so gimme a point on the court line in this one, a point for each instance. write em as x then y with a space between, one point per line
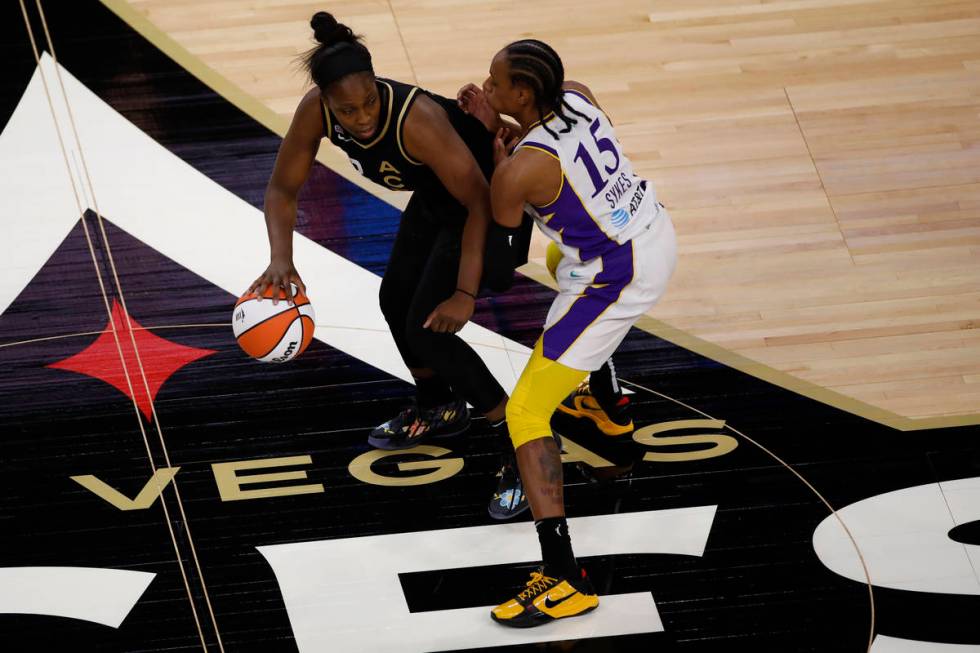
227 325
857 549
105 299
401 37
816 171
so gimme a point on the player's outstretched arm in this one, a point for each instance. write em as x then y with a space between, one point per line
292 167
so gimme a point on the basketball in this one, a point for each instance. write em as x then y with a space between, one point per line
273 333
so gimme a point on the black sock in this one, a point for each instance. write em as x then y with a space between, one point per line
433 391
556 548
608 394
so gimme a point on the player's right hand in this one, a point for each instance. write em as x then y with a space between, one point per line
503 145
279 275
472 100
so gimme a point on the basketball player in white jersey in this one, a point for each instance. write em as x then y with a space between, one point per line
619 251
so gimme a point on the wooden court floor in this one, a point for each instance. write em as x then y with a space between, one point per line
820 157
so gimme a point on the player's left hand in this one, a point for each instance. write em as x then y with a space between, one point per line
451 315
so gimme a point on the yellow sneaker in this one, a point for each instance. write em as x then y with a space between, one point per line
545 599
581 403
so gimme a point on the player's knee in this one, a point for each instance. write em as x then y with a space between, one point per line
423 342
394 300
526 424
388 300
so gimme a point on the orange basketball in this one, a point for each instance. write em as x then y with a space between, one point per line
273 333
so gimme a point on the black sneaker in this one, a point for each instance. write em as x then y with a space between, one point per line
412 427
509 500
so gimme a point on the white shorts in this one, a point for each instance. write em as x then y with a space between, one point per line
600 300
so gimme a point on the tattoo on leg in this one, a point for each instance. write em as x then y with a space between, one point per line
549 460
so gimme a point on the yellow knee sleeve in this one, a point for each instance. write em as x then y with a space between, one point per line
552 258
542 386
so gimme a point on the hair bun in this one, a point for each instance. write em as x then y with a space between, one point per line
328 31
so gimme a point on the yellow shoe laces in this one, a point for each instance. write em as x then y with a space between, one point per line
538 583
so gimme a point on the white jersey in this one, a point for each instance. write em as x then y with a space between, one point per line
602 203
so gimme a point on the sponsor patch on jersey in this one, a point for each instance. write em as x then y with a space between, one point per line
619 218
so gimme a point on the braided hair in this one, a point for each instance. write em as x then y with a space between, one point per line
536 64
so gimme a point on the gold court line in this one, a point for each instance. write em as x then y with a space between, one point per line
66 335
79 334
816 171
401 37
857 549
132 336
105 298
227 325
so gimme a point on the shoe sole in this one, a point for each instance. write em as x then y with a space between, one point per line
385 443
510 515
531 623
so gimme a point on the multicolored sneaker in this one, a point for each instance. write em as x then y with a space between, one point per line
509 500
412 427
545 599
581 403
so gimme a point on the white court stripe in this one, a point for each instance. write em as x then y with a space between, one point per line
345 594
170 206
103 596
883 644
30 162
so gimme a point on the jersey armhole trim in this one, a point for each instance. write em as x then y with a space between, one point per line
553 154
409 101
583 96
325 115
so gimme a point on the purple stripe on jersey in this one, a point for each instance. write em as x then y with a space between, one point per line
617 273
542 146
568 215
581 95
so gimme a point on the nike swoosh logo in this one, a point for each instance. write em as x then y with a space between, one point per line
548 603
575 274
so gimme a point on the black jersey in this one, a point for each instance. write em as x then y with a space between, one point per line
384 159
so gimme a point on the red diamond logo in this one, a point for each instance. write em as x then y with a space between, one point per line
160 358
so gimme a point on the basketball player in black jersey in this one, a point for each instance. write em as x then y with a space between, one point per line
403 138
